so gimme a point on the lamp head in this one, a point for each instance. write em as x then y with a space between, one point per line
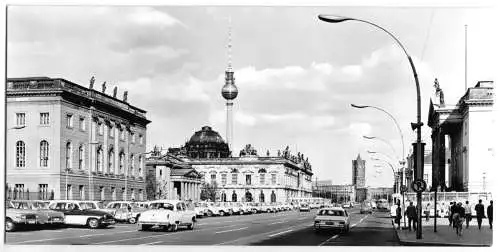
358 106
369 137
333 18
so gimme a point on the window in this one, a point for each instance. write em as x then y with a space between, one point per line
111 158
273 179
80 157
223 178
262 178
44 118
213 178
68 155
81 192
161 172
141 139
261 196
20 119
99 158
122 162
81 124
234 197
113 193
132 136
44 153
132 194
122 134
132 165
111 131
69 120
69 192
124 194
234 178
223 197
101 192
141 163
273 197
249 179
141 197
20 154
101 128
43 190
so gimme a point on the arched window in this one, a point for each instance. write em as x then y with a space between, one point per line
99 159
273 197
141 163
248 196
122 162
223 197
44 153
234 196
111 160
262 197
132 166
69 151
20 154
81 156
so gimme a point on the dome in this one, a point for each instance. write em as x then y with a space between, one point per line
206 135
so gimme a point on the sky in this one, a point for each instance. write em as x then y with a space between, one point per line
296 75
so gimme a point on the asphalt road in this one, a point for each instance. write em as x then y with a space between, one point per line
284 228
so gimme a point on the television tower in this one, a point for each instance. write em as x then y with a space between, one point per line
229 92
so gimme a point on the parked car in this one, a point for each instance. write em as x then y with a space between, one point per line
96 205
254 207
215 209
201 209
46 216
126 210
16 218
335 218
366 208
81 214
304 207
167 214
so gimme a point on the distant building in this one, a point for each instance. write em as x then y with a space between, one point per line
323 182
358 172
73 142
374 193
466 128
337 193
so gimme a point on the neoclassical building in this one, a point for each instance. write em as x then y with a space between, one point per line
248 177
66 141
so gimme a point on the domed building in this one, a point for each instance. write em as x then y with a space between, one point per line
207 143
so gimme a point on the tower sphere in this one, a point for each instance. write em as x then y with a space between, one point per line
229 90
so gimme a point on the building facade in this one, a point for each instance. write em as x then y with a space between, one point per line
358 172
72 142
466 128
337 193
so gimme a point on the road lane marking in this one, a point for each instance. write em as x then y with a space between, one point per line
151 243
230 230
276 222
286 231
61 238
329 239
263 234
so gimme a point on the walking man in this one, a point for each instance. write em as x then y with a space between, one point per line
479 213
411 212
427 211
398 216
451 211
468 214
489 211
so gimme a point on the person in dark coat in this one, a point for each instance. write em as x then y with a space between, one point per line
398 216
411 212
451 211
489 211
479 213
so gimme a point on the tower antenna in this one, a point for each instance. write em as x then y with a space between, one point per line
229 44
465 58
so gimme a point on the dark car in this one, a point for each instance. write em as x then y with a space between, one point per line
79 214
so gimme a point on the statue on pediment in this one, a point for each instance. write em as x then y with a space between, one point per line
104 87
438 95
91 84
115 90
125 96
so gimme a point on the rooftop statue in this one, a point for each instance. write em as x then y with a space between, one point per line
92 80
439 95
125 95
115 90
104 87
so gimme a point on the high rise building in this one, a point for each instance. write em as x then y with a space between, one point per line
358 172
229 92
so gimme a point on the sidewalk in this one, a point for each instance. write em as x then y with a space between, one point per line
446 236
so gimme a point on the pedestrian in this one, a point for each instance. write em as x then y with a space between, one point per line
468 214
441 210
427 211
398 215
489 211
479 213
451 211
458 218
411 212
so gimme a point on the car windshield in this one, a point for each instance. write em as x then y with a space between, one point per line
87 205
40 205
161 205
329 212
22 205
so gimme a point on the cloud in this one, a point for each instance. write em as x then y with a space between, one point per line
150 16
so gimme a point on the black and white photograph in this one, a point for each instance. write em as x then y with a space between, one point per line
250 124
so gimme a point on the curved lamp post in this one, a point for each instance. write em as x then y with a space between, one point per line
418 146
384 141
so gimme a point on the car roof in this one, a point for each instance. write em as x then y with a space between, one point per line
166 201
333 208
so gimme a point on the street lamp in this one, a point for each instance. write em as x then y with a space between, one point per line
418 146
384 141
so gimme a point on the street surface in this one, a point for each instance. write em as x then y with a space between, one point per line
283 228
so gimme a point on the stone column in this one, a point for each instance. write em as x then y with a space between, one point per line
105 149
438 157
183 190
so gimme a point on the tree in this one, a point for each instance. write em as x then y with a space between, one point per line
209 191
150 186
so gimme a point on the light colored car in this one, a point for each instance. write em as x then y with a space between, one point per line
96 205
367 208
125 210
304 207
46 216
335 218
214 209
245 208
16 218
167 214
201 209
81 214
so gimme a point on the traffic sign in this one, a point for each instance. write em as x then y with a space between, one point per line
404 188
419 185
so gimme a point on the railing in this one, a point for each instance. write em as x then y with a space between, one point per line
15 194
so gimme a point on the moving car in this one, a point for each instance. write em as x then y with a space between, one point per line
366 208
334 218
19 217
167 214
46 216
383 204
81 214
304 207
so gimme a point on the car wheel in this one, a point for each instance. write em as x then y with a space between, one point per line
191 226
9 225
132 220
221 213
268 210
209 213
172 228
230 212
241 212
93 223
